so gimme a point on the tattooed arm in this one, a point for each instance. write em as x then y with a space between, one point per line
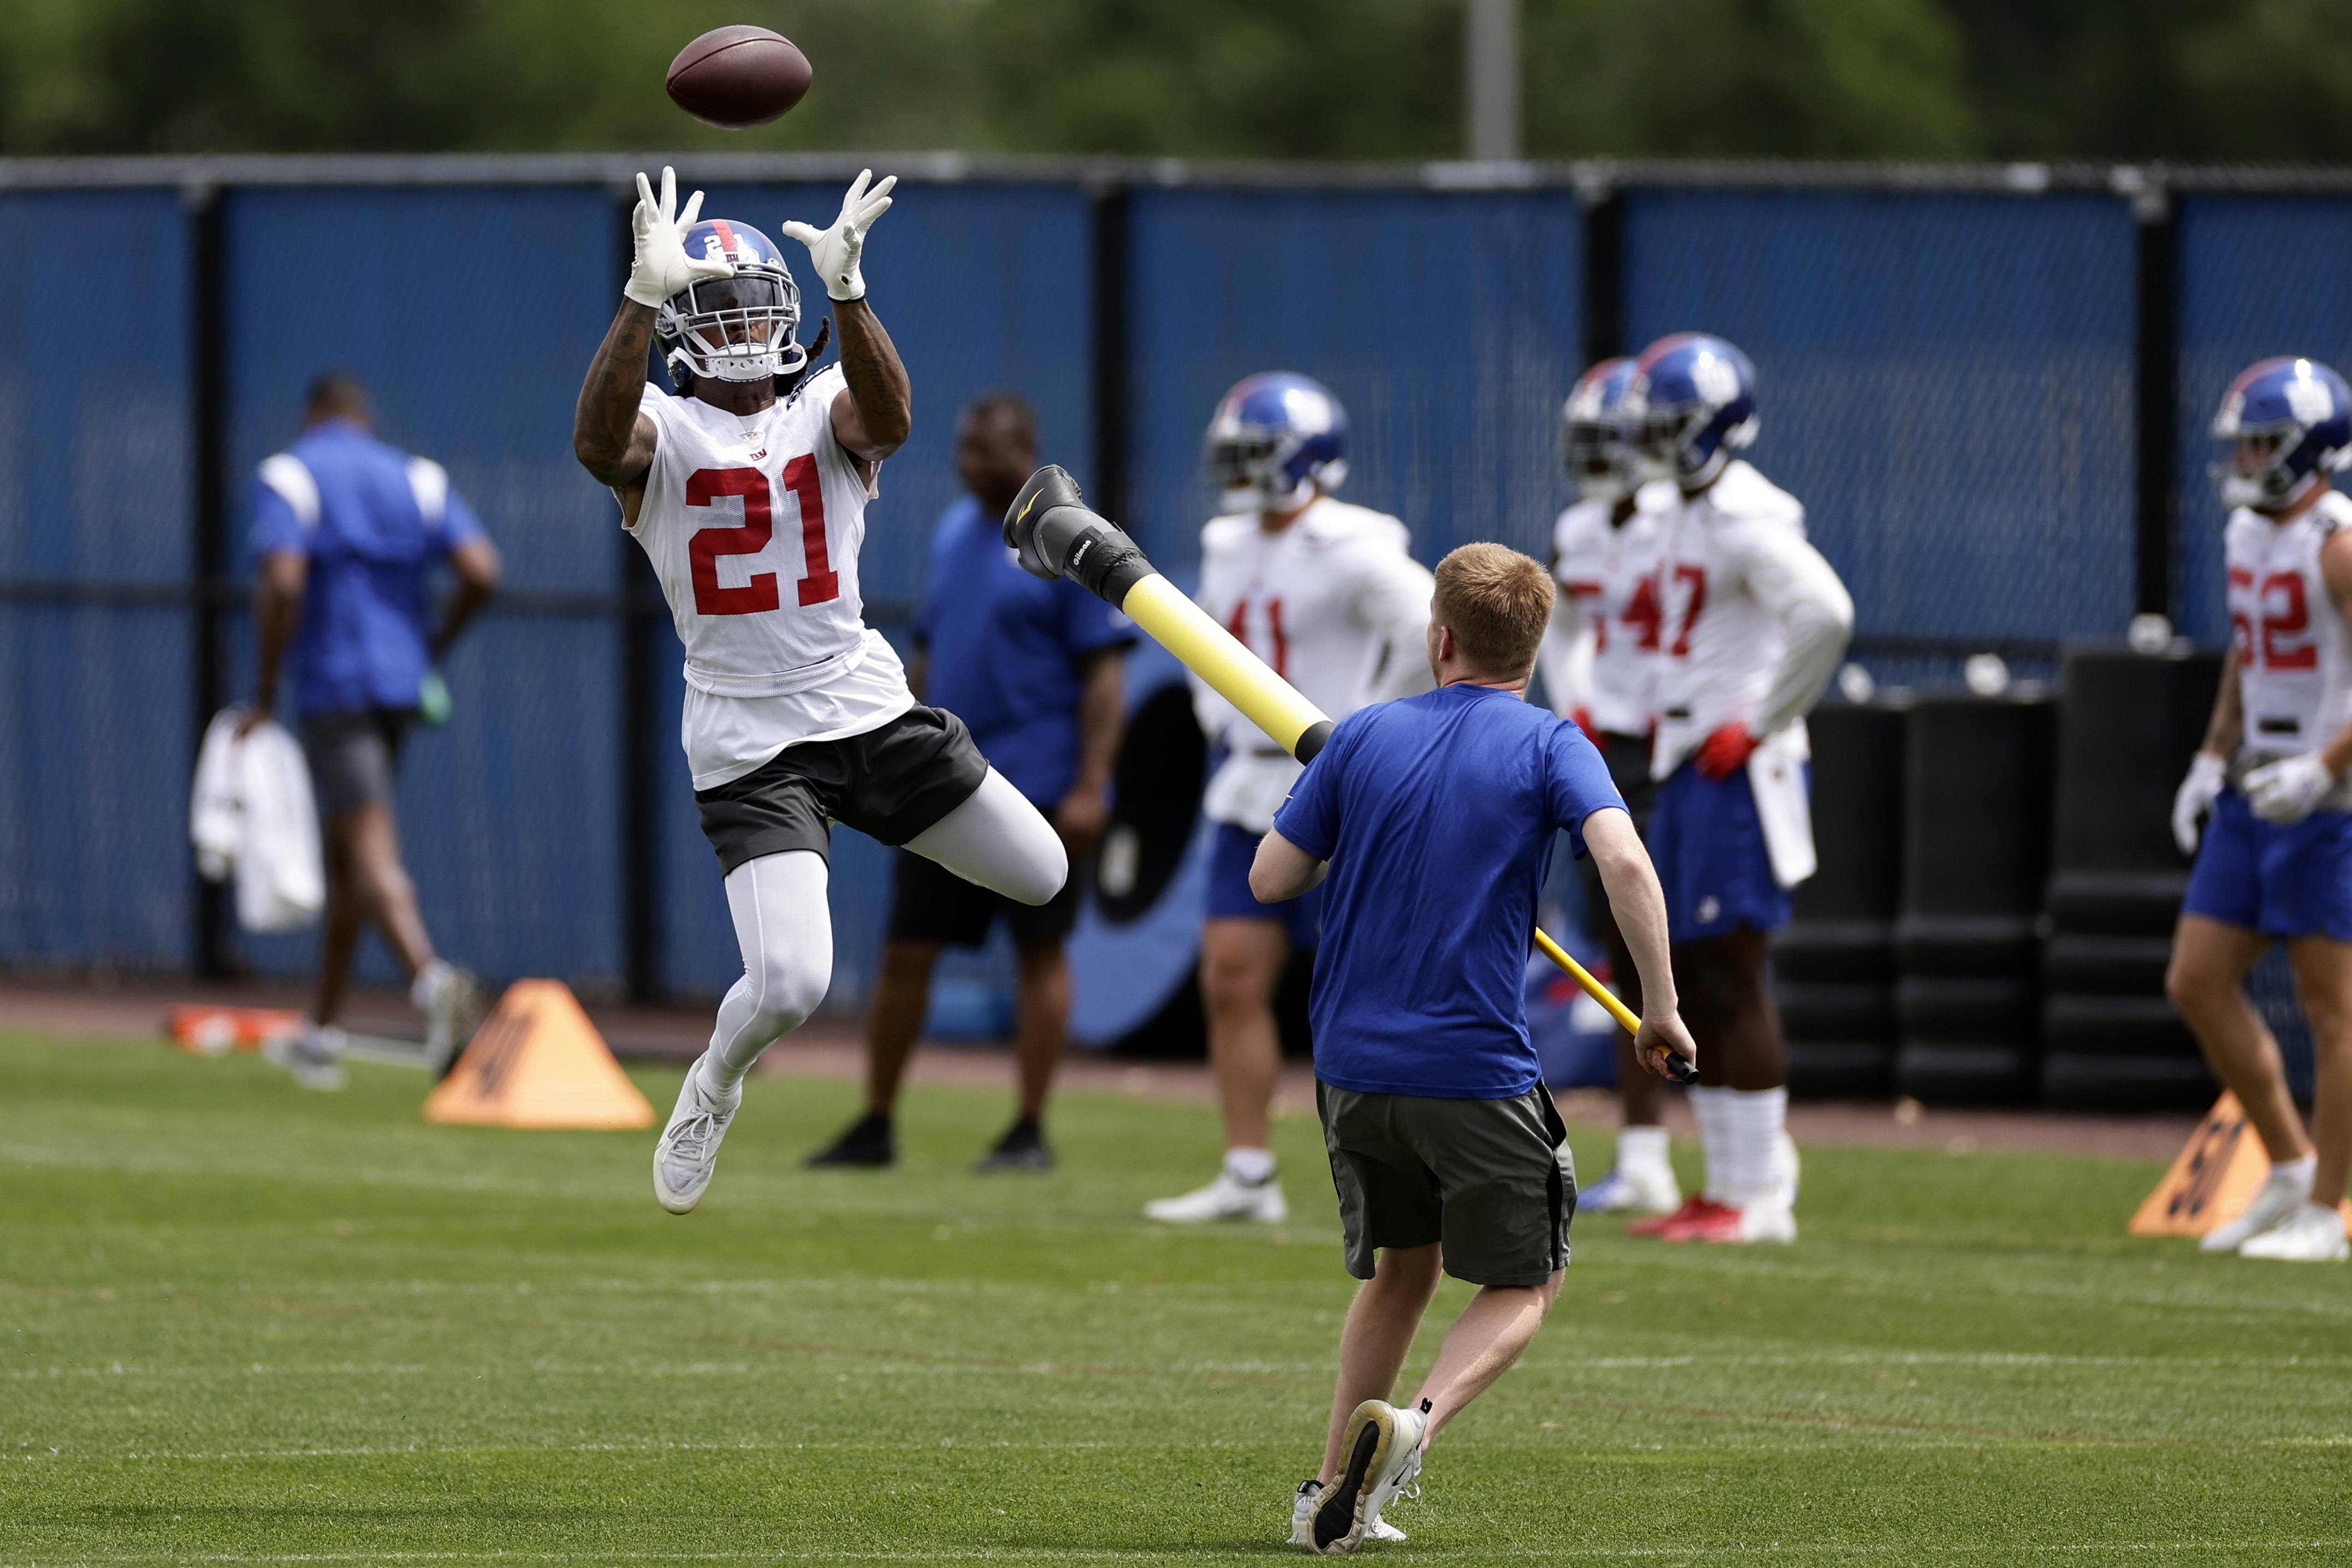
872 418
611 434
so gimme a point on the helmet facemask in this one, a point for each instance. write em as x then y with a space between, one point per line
1596 459
2257 469
738 328
1253 471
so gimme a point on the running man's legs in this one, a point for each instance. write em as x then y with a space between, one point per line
367 885
1382 1322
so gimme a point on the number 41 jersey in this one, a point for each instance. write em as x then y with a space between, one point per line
752 523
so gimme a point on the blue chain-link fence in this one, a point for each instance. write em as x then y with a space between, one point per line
1949 382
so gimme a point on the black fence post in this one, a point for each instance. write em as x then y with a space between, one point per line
1111 347
1604 268
213 953
642 614
2159 405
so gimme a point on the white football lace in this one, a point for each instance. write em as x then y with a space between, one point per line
691 1137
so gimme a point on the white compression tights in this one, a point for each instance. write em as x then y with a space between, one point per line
996 838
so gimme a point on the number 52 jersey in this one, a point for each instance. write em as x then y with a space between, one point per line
752 523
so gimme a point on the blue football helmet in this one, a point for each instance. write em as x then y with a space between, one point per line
1589 441
1275 440
738 328
2288 422
1691 405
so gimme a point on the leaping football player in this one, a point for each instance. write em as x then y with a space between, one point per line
748 489
1326 593
2276 863
1752 622
1601 669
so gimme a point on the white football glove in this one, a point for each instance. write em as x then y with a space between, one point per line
2286 790
662 268
2207 774
835 251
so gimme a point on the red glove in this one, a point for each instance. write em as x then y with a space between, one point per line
1582 719
1727 751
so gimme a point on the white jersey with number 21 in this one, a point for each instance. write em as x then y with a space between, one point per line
752 523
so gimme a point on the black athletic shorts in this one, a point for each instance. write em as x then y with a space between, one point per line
1628 757
891 783
1492 1179
930 903
352 756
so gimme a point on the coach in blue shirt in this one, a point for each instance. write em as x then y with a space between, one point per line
1034 670
347 532
1434 816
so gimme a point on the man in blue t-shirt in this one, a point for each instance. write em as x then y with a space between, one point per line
1035 669
1434 818
347 532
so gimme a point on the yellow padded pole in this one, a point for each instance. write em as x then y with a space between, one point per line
1214 654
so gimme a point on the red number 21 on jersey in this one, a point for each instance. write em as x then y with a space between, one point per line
705 485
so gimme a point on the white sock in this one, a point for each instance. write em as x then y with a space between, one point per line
709 1070
1642 1148
1709 1106
1251 1167
2296 1174
1754 1120
429 983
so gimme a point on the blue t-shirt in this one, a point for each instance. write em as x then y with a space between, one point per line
1437 814
374 522
1005 649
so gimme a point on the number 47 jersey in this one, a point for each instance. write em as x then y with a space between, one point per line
752 523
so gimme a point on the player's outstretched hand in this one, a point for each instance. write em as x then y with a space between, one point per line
1661 1033
662 268
835 251
2287 790
2207 774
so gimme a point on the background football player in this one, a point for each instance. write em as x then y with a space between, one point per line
1601 670
1752 622
748 493
1326 593
2276 863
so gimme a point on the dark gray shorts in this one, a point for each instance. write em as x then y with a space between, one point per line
892 782
1492 1179
354 756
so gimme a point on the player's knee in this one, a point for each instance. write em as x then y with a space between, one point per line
1041 876
2188 985
791 986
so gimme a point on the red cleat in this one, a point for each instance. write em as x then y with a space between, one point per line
1694 1207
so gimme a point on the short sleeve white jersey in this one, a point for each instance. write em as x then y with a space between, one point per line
1608 580
2295 654
752 523
1732 562
1336 605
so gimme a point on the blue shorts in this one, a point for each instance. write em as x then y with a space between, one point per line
2282 879
1708 847
1230 897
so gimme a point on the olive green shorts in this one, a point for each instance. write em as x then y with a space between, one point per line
1492 1179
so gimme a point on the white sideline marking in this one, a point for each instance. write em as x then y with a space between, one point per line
1082 1553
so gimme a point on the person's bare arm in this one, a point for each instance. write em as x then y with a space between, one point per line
2228 725
872 417
478 570
1283 871
1085 812
1640 908
277 611
2336 570
611 435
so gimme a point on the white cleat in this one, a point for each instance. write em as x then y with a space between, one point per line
1302 1519
451 1001
1382 1445
688 1150
1226 1197
2277 1200
314 1057
2310 1235
1792 1170
1636 1189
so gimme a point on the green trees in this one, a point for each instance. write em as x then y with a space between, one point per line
2268 79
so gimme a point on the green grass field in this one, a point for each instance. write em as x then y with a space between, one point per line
246 1323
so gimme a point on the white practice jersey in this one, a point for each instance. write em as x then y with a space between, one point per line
1734 574
752 523
1340 610
1609 593
2295 654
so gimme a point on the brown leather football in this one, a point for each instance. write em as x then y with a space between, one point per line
739 77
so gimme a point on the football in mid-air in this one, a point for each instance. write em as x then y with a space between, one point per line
739 77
